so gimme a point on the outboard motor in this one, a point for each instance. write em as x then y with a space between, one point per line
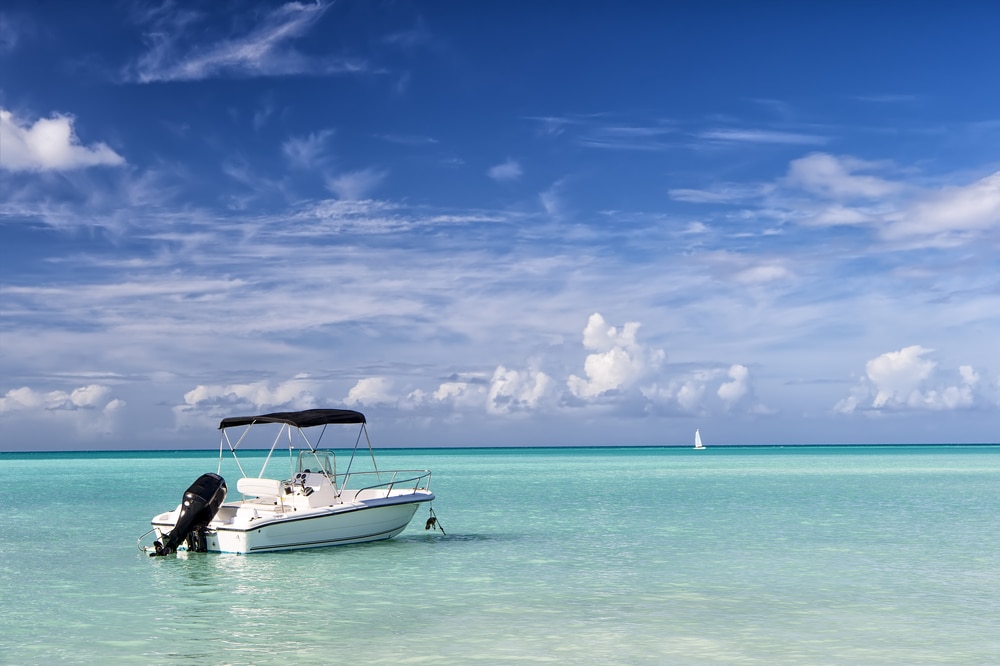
200 504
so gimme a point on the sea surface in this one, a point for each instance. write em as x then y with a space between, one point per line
794 555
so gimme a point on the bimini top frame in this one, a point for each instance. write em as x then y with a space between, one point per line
302 419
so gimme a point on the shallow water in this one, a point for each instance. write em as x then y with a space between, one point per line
853 555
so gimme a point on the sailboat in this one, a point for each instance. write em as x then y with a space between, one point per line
697 440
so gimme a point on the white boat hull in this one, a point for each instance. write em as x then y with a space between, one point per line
357 522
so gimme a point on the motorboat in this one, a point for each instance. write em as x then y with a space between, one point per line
317 504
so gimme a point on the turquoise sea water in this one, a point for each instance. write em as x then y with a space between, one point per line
853 555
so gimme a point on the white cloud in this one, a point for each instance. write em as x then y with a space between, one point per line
618 361
908 380
263 50
733 391
93 396
370 391
836 177
969 376
307 152
763 273
90 396
896 375
11 31
551 200
552 125
461 394
513 391
838 215
952 210
296 392
89 410
50 144
689 396
762 136
356 185
506 171
688 393
727 193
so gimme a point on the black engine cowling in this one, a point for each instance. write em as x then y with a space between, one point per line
199 505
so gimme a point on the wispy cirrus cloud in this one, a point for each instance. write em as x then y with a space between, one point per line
265 49
408 139
11 30
724 193
627 137
356 185
307 152
761 136
825 190
887 98
598 131
553 126
951 212
411 38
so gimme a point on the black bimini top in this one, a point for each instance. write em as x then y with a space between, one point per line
304 419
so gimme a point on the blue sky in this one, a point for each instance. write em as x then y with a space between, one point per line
500 224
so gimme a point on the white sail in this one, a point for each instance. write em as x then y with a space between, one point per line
697 439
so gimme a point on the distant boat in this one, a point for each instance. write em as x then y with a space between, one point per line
697 440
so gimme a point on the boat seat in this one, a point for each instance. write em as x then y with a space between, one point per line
260 487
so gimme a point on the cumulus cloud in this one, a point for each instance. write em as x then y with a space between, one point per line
685 393
898 374
908 379
513 390
90 410
707 390
733 391
505 392
838 177
294 393
49 144
461 394
618 360
370 391
507 171
93 396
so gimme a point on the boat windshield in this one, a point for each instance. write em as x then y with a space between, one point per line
318 461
